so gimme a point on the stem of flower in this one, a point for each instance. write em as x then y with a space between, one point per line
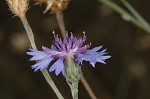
32 41
28 30
136 20
60 19
51 83
74 90
88 88
61 24
136 15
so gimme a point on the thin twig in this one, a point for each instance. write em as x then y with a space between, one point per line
28 30
60 19
88 88
127 16
32 41
51 83
136 15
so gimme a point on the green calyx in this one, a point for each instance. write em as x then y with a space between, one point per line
73 71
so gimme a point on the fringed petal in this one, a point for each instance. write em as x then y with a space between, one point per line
58 66
43 64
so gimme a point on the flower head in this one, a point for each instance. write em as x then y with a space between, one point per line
60 50
18 7
53 5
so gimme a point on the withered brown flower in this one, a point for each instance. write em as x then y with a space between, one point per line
53 5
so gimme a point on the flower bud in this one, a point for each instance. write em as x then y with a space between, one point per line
73 71
18 7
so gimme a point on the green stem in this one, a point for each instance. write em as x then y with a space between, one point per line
32 41
74 89
137 15
51 83
127 16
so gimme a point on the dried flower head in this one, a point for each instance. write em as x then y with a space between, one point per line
18 7
70 47
40 2
53 5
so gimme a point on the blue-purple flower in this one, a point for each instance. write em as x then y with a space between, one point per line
70 47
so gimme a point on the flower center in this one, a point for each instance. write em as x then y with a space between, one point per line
70 53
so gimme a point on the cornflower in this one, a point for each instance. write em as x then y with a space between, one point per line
60 50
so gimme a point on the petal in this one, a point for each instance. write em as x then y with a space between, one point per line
100 60
45 48
103 51
35 53
53 52
39 57
96 49
32 49
53 47
93 56
84 49
104 57
43 64
92 63
58 66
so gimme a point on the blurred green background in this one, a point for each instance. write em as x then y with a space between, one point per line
126 75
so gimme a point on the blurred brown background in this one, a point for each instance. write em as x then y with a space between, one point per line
126 75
